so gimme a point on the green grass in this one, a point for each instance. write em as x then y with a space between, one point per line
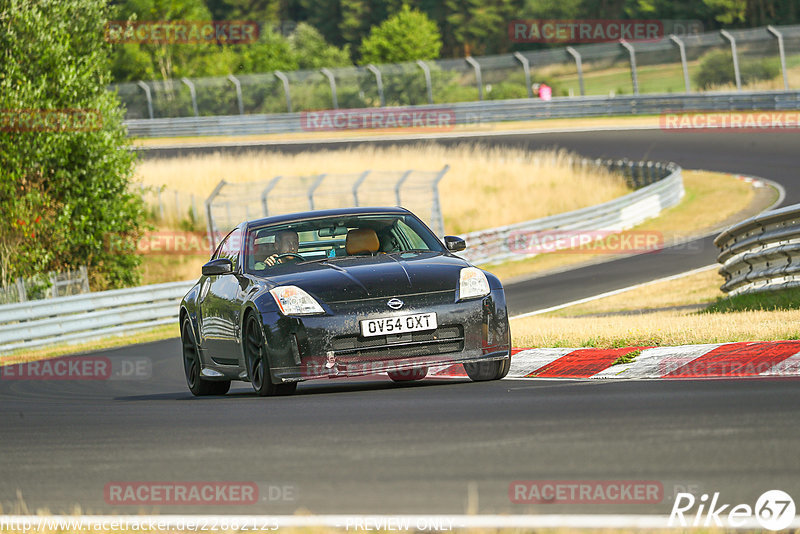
784 299
627 357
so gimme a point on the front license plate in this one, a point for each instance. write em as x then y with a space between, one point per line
398 325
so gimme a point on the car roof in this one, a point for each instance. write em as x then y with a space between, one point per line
321 214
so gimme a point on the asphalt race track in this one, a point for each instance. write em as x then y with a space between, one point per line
447 446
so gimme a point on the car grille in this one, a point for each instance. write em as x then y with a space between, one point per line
358 349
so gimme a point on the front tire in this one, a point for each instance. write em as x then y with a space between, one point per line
255 356
191 367
491 370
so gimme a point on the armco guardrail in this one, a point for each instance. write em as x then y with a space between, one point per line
477 113
761 253
660 186
79 317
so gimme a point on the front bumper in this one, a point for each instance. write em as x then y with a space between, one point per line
330 346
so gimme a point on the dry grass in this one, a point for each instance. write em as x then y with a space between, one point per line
483 188
688 218
653 329
698 288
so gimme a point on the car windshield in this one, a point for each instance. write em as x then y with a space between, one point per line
334 238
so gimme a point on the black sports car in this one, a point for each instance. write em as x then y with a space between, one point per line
339 293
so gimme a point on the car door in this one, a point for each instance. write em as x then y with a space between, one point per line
220 306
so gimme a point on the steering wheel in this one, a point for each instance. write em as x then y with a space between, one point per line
290 255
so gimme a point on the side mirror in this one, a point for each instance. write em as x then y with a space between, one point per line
217 267
454 244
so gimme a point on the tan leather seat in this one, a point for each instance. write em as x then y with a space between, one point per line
361 241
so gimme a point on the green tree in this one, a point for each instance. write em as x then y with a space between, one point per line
480 27
312 52
406 36
64 185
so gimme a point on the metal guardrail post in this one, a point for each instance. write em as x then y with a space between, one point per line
478 77
192 92
782 52
212 238
238 87
313 188
282 77
378 81
427 72
727 35
265 194
398 185
632 53
526 68
684 63
148 96
332 81
358 184
579 65
436 209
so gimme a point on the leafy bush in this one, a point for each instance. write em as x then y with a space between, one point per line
716 68
64 189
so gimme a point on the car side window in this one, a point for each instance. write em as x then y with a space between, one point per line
229 248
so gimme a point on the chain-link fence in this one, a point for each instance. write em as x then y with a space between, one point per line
46 286
763 58
231 203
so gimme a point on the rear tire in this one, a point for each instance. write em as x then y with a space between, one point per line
492 370
191 367
409 375
255 356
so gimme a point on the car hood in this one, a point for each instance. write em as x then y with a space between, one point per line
385 275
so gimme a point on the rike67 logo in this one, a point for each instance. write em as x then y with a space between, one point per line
773 510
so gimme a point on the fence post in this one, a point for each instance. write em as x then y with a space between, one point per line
84 273
727 35
195 215
632 53
148 96
238 87
379 81
192 92
212 238
282 77
53 284
357 185
265 194
23 295
313 188
328 74
436 209
178 205
579 65
526 68
160 205
427 72
398 185
478 77
782 52
684 63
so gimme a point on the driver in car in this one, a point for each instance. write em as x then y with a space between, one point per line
286 242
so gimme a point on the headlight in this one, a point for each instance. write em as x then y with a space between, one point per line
294 301
472 283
